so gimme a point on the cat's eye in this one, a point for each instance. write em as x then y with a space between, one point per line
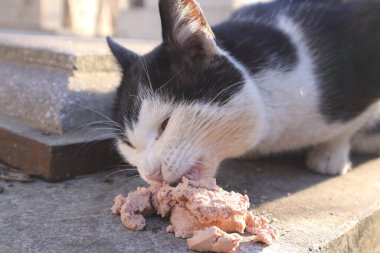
164 125
128 143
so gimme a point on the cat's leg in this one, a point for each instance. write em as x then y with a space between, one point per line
366 143
367 140
331 158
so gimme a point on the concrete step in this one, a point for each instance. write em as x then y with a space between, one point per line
56 78
55 157
51 91
315 213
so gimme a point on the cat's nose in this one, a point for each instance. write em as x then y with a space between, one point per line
156 175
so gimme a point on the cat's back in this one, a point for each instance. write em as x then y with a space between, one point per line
354 25
343 41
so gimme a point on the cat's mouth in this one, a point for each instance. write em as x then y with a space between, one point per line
196 172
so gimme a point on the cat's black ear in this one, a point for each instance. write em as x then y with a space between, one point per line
184 28
124 56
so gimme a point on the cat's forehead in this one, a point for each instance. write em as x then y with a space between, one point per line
158 75
168 76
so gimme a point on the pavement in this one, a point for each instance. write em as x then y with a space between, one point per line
314 213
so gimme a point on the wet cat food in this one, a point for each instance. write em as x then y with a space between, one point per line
196 208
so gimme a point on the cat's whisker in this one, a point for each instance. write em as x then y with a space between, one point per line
225 89
202 133
131 177
89 126
203 165
97 112
109 129
143 64
202 127
168 82
122 166
196 163
116 172
103 130
127 169
134 96
99 122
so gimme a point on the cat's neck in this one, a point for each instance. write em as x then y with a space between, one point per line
288 63
249 102
257 46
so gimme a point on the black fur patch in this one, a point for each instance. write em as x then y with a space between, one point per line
256 45
128 104
346 41
160 73
215 82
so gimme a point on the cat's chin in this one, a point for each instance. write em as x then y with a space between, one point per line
199 170
195 172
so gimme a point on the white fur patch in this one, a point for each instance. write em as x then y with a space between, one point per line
330 158
196 134
291 101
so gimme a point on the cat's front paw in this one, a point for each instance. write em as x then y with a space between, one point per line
329 159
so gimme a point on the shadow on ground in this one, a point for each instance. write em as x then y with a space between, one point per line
272 178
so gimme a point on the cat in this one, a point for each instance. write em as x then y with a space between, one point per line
275 77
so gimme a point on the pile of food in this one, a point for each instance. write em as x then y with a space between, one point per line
201 211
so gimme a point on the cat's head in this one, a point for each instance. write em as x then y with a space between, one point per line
182 107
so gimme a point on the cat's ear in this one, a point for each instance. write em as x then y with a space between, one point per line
124 56
184 28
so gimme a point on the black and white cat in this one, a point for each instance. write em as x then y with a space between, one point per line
274 77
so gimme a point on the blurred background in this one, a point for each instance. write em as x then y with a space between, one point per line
136 19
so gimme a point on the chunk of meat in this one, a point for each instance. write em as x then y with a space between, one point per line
119 202
133 221
134 207
213 239
259 226
204 204
183 224
266 234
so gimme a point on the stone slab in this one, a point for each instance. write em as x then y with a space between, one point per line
56 102
65 52
315 213
58 83
56 157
